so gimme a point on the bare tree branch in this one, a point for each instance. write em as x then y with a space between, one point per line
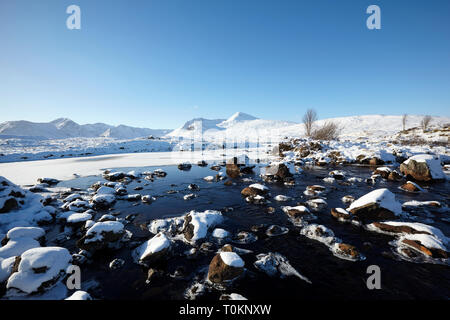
426 122
308 119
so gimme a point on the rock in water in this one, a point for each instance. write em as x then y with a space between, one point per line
423 167
225 266
379 204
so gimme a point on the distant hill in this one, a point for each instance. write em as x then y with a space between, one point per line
65 128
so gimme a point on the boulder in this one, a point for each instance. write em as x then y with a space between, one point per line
225 266
102 235
196 224
379 204
255 189
38 269
423 167
346 251
296 212
154 251
277 172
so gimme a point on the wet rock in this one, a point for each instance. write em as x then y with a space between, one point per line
384 172
153 274
395 176
113 176
160 173
275 230
429 251
255 189
228 183
296 212
337 174
258 200
282 198
202 163
276 172
319 233
347 251
102 235
244 237
216 168
194 187
411 187
116 264
154 251
379 204
423 167
399 228
186 166
196 224
317 204
340 214
189 196
275 264
224 267
147 199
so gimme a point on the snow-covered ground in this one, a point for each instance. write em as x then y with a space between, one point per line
24 140
372 135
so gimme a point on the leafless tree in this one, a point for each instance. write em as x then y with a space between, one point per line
328 131
425 122
308 119
404 117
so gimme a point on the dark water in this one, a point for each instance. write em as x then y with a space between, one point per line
331 277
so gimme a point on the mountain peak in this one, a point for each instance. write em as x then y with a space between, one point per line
241 116
237 117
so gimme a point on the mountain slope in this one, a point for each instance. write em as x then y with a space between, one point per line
241 126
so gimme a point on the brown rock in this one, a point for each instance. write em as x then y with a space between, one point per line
431 252
397 229
219 271
338 215
383 173
395 176
233 170
372 211
408 186
417 170
349 250
228 183
188 230
246 192
295 213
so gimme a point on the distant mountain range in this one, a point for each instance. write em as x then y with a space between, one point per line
65 128
239 126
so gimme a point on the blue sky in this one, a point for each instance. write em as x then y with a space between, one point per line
160 63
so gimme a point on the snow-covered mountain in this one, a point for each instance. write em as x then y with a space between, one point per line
65 128
241 126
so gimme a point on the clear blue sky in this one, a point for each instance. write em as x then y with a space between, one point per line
160 63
